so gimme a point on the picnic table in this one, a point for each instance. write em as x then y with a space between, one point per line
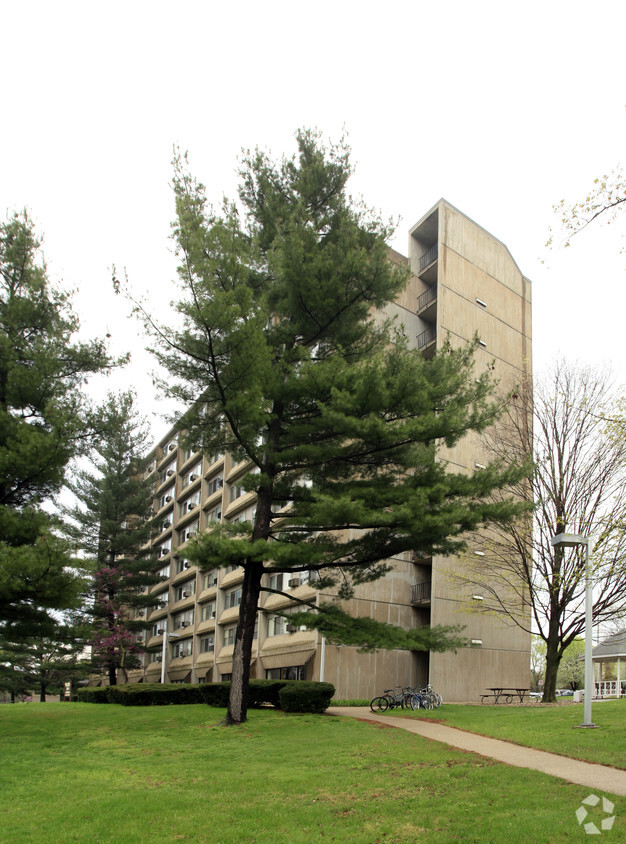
508 693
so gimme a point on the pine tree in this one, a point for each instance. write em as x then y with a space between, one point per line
285 360
46 660
112 523
44 423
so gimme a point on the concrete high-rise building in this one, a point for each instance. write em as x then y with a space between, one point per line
464 283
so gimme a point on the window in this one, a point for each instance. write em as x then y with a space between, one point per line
183 619
182 564
214 515
158 627
164 571
276 582
165 548
207 644
232 599
292 672
207 611
168 472
189 504
184 648
236 492
186 589
246 515
192 475
209 579
189 531
167 496
216 482
163 599
229 635
276 625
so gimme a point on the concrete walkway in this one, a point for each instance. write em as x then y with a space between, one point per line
596 777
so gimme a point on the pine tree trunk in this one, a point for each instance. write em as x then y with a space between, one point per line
238 700
42 692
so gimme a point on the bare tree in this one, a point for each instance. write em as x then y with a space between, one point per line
577 485
605 200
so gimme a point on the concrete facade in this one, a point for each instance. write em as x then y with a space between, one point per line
464 282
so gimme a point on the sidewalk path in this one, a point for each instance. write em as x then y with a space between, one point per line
597 777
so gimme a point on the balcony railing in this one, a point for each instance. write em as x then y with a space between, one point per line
428 257
427 297
426 337
420 593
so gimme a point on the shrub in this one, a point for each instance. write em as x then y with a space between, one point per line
306 697
309 697
93 694
155 694
215 694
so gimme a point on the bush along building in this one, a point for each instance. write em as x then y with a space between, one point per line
463 284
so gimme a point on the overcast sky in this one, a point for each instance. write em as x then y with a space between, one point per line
503 109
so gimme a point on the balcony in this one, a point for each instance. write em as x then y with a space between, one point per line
426 337
427 305
428 258
420 594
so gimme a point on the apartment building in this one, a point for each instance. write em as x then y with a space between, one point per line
464 283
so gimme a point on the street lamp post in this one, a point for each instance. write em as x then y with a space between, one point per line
572 540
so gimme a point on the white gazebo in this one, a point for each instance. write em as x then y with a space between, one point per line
612 649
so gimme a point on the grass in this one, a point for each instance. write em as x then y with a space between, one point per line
106 773
551 728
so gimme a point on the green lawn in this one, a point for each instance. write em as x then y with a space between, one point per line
552 728
106 773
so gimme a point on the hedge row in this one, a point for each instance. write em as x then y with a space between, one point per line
290 695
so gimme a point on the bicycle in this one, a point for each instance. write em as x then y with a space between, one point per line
392 698
425 698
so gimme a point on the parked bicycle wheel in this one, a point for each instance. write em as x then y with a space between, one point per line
379 704
414 702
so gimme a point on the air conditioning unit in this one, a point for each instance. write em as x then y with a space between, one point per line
295 581
171 447
212 614
169 473
193 476
188 535
186 564
184 595
160 631
166 524
191 505
291 628
184 624
168 498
